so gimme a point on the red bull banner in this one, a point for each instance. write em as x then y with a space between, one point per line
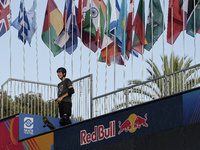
191 107
123 125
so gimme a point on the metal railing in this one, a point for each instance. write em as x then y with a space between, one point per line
19 96
22 96
147 91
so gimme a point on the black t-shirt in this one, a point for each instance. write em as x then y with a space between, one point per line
63 88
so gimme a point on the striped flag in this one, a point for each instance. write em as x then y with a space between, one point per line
52 26
31 18
68 35
23 23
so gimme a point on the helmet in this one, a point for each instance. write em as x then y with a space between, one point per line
63 70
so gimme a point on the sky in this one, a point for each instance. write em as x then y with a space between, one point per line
103 85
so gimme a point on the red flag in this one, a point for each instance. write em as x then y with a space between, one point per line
129 28
4 17
111 48
177 21
138 26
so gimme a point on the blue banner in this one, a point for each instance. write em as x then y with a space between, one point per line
191 107
122 125
31 125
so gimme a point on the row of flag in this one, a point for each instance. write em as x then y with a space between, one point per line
104 26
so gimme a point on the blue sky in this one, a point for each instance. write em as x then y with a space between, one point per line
43 54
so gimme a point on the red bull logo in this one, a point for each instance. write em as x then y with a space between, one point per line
133 123
100 133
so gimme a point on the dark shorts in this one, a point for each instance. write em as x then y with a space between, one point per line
65 108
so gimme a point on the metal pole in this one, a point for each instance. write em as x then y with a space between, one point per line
1 102
91 96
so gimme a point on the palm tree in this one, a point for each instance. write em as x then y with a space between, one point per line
171 83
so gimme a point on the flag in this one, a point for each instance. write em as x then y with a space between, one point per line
68 36
31 19
84 20
4 16
129 28
177 21
121 28
129 31
109 49
53 25
190 21
138 26
91 24
155 19
117 60
114 17
23 23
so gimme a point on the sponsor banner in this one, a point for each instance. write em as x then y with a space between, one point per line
191 107
9 134
31 125
122 125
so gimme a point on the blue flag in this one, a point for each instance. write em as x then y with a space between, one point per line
121 28
114 17
68 36
23 24
31 20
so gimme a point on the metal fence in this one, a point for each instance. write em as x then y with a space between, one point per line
22 96
147 91
19 96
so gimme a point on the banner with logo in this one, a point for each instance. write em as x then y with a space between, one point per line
31 125
191 107
127 124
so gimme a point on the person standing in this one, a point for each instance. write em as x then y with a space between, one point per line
65 91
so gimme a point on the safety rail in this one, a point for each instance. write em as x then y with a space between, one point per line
19 96
22 96
169 84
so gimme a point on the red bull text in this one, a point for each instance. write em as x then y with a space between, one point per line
131 124
100 133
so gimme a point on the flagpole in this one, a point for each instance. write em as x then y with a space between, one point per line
163 45
106 57
49 56
114 66
36 54
195 41
114 62
97 58
132 18
80 84
24 61
72 39
10 44
11 56
65 33
172 78
183 46
142 70
152 67
90 37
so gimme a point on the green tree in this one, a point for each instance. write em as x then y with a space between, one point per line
175 83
